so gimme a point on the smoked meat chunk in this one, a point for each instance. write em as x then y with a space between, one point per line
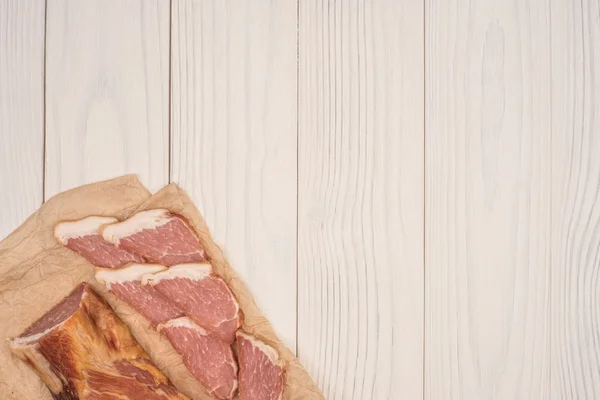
82 350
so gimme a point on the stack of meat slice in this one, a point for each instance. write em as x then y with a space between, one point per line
125 283
115 268
187 302
159 235
202 295
83 237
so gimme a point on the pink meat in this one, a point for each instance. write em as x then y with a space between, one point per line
147 301
102 253
158 235
203 296
83 237
59 313
125 283
210 360
262 373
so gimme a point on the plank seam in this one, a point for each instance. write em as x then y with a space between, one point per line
44 117
169 168
425 2
550 252
297 163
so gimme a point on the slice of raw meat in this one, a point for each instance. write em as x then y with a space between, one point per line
83 237
125 283
262 372
202 295
158 235
82 350
209 359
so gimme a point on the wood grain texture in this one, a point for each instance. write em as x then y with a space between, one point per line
487 203
107 99
21 110
234 138
427 225
575 197
360 327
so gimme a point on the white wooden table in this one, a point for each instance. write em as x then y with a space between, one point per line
410 188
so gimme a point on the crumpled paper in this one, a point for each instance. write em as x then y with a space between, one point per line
36 273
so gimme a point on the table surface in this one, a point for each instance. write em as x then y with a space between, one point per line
410 188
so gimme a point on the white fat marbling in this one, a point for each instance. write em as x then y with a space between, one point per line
195 271
150 219
128 273
84 227
184 322
270 352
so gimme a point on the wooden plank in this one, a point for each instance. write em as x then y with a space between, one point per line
107 93
234 138
360 329
488 210
21 110
575 201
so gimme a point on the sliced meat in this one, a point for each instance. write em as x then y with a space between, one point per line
158 235
125 283
209 359
83 237
262 372
202 295
81 350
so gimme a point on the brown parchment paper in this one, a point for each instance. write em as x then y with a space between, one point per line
36 273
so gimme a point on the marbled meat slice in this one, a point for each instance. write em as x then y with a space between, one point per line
210 360
158 235
82 350
262 372
125 283
83 237
202 295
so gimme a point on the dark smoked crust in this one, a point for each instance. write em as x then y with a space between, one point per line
56 348
68 393
126 385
